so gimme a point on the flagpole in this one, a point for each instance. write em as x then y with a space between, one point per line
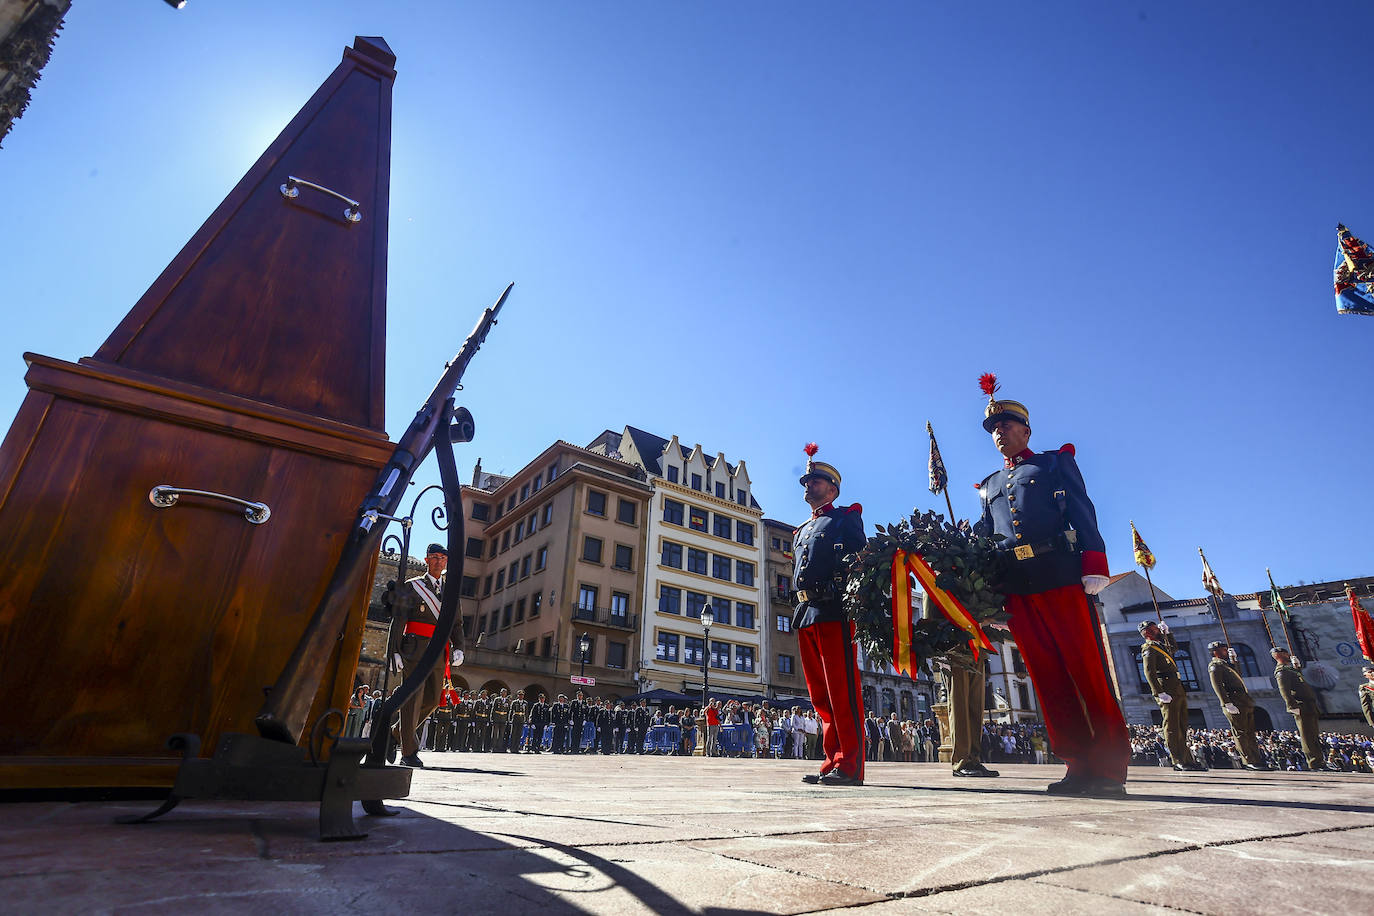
1206 568
1139 551
1158 616
949 505
1283 624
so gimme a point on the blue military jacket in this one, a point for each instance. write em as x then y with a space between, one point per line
817 547
1032 503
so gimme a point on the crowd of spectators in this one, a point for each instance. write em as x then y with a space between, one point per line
1281 749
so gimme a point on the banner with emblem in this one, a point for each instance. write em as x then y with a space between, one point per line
939 477
1364 625
1276 599
1353 274
1209 578
1143 557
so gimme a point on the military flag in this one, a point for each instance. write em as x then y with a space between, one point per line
1209 579
939 477
1143 557
1276 599
1354 275
1364 626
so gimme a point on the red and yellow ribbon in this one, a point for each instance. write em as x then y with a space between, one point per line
904 564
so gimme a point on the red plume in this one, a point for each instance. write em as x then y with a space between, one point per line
988 382
811 449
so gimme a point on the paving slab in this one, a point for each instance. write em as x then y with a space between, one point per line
515 834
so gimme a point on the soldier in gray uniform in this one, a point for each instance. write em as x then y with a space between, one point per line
1161 672
1300 700
1237 704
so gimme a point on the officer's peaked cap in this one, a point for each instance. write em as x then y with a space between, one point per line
436 548
1215 644
816 468
1145 625
1000 409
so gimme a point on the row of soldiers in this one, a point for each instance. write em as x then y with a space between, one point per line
1158 653
477 721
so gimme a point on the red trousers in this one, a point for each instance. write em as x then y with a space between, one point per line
1057 634
832 678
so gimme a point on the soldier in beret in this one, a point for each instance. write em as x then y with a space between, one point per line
1037 505
417 606
1300 700
1236 703
1161 672
825 634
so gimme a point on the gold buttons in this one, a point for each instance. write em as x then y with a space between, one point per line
1017 522
1018 537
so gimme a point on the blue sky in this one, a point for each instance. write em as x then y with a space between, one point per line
758 224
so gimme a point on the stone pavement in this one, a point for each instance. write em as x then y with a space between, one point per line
516 834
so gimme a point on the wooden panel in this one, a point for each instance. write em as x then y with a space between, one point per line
142 621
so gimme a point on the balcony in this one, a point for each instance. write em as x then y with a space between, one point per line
605 617
783 595
482 657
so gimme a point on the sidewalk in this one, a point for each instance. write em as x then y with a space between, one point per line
516 834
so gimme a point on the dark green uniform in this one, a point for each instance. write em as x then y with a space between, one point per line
1229 687
1161 672
1367 701
500 723
1301 701
462 717
964 686
481 722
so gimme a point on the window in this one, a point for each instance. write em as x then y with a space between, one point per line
784 623
505 541
620 607
474 548
547 647
1184 659
744 615
500 579
495 546
596 503
1018 665
590 654
721 608
672 474
696 561
591 549
720 655
500 511
624 556
1023 696
783 585
514 568
777 544
586 598
695 602
693 649
519 532
535 602
696 481
744 659
525 566
744 533
510 504
672 555
520 610
669 599
786 664
481 511
615 655
505 615
469 589
720 489
672 511
1245 661
553 471
720 567
538 482
742 497
548 514
744 573
696 519
486 586
721 528
626 511
524 492
667 647
492 623
531 523
482 624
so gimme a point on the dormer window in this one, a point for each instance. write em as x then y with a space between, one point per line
672 473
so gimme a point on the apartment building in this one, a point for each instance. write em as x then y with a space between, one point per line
782 674
704 546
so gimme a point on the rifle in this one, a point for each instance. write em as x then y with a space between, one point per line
283 715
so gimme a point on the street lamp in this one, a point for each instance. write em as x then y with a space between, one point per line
583 644
708 617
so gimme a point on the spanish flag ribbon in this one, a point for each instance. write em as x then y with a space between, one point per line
904 564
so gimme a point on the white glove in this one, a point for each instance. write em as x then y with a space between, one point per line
1163 627
396 663
457 657
1093 584
1164 698
1232 709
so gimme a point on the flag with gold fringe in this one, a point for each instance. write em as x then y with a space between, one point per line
1209 578
1143 557
939 477
1276 599
1364 626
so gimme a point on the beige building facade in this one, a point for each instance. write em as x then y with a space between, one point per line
782 671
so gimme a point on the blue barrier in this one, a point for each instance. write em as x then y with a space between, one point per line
663 739
779 738
734 739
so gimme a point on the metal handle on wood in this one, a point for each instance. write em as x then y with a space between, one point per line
353 212
165 496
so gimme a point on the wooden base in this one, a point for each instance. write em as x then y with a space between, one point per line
83 773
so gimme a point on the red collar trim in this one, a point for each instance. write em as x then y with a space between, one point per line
1014 460
828 507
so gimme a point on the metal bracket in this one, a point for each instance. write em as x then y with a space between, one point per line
165 496
292 189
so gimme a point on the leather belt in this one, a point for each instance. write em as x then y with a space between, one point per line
1066 541
415 628
810 596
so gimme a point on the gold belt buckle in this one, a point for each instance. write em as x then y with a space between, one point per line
1024 552
804 595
